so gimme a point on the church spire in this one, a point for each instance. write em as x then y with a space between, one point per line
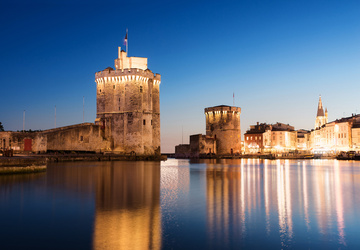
320 111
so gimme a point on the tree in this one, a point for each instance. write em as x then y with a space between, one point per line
1 127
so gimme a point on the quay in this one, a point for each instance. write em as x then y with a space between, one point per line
21 165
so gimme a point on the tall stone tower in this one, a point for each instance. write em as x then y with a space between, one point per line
321 117
128 106
223 124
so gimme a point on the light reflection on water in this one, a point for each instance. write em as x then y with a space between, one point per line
179 204
279 204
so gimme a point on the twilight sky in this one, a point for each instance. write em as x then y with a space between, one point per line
276 56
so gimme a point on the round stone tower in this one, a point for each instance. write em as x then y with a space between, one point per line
128 106
223 124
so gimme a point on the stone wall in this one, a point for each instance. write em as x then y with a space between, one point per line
81 137
182 151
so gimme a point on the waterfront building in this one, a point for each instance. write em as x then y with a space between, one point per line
303 140
258 138
128 105
283 137
266 138
127 116
223 135
223 124
339 135
355 137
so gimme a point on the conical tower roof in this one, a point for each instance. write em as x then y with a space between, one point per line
320 111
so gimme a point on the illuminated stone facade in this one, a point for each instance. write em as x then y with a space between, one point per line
223 135
128 106
223 124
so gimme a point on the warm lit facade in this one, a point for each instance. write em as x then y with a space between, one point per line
128 105
223 135
336 136
333 137
265 138
257 138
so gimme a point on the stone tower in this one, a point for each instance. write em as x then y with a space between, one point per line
128 106
223 124
321 117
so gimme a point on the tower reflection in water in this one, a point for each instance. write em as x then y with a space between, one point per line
281 199
128 207
127 201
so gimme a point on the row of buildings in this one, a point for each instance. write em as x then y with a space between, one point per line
326 137
223 136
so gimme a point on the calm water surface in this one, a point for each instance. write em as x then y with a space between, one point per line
179 204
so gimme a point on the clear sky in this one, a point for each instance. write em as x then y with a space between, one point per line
276 56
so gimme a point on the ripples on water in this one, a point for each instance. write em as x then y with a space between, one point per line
181 204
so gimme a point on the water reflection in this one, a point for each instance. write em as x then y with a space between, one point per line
291 201
216 204
127 201
127 214
125 197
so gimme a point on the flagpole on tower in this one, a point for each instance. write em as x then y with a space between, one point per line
126 40
234 99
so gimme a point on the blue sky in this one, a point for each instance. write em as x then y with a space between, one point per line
276 56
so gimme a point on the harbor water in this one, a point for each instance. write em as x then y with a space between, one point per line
182 204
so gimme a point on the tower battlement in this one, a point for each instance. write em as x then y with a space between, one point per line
120 74
222 108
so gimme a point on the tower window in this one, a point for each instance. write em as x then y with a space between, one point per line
81 138
141 89
144 122
119 99
100 90
151 122
114 86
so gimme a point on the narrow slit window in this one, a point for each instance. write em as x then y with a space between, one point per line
141 89
144 122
